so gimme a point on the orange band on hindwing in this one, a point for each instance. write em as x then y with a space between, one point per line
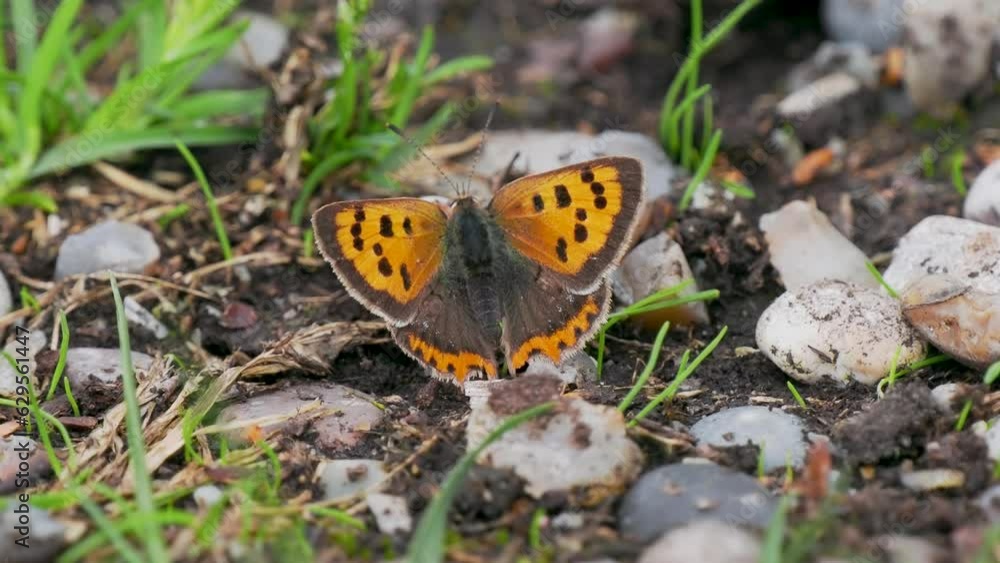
567 336
458 364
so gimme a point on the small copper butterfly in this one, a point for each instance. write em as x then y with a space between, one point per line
526 274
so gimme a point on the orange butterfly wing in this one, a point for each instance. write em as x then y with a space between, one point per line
385 252
574 221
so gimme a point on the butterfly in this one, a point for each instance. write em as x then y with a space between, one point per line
526 274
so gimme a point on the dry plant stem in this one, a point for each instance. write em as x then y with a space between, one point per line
47 299
130 183
260 259
429 443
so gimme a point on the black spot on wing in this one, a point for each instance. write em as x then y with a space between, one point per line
407 226
384 267
580 233
561 250
385 226
563 198
587 175
405 275
538 202
600 202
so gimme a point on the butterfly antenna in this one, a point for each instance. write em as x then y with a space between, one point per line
417 148
482 142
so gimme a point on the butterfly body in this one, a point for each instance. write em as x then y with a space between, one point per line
527 274
472 264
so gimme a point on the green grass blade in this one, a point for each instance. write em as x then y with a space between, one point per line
191 22
207 105
151 28
881 281
797 396
25 30
77 151
6 107
926 362
42 67
427 544
683 110
774 537
402 151
61 362
654 355
127 106
75 80
957 175
737 189
213 206
308 243
687 142
992 373
455 67
411 89
110 37
964 416
706 164
707 123
35 199
322 170
346 101
671 303
199 55
654 298
152 534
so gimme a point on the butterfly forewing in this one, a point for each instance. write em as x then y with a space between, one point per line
575 221
386 252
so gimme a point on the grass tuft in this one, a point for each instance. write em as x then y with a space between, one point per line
678 143
50 120
350 129
683 372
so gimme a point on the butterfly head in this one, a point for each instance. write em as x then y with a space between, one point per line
463 202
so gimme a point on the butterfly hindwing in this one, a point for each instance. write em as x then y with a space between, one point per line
386 252
575 221
543 317
446 337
